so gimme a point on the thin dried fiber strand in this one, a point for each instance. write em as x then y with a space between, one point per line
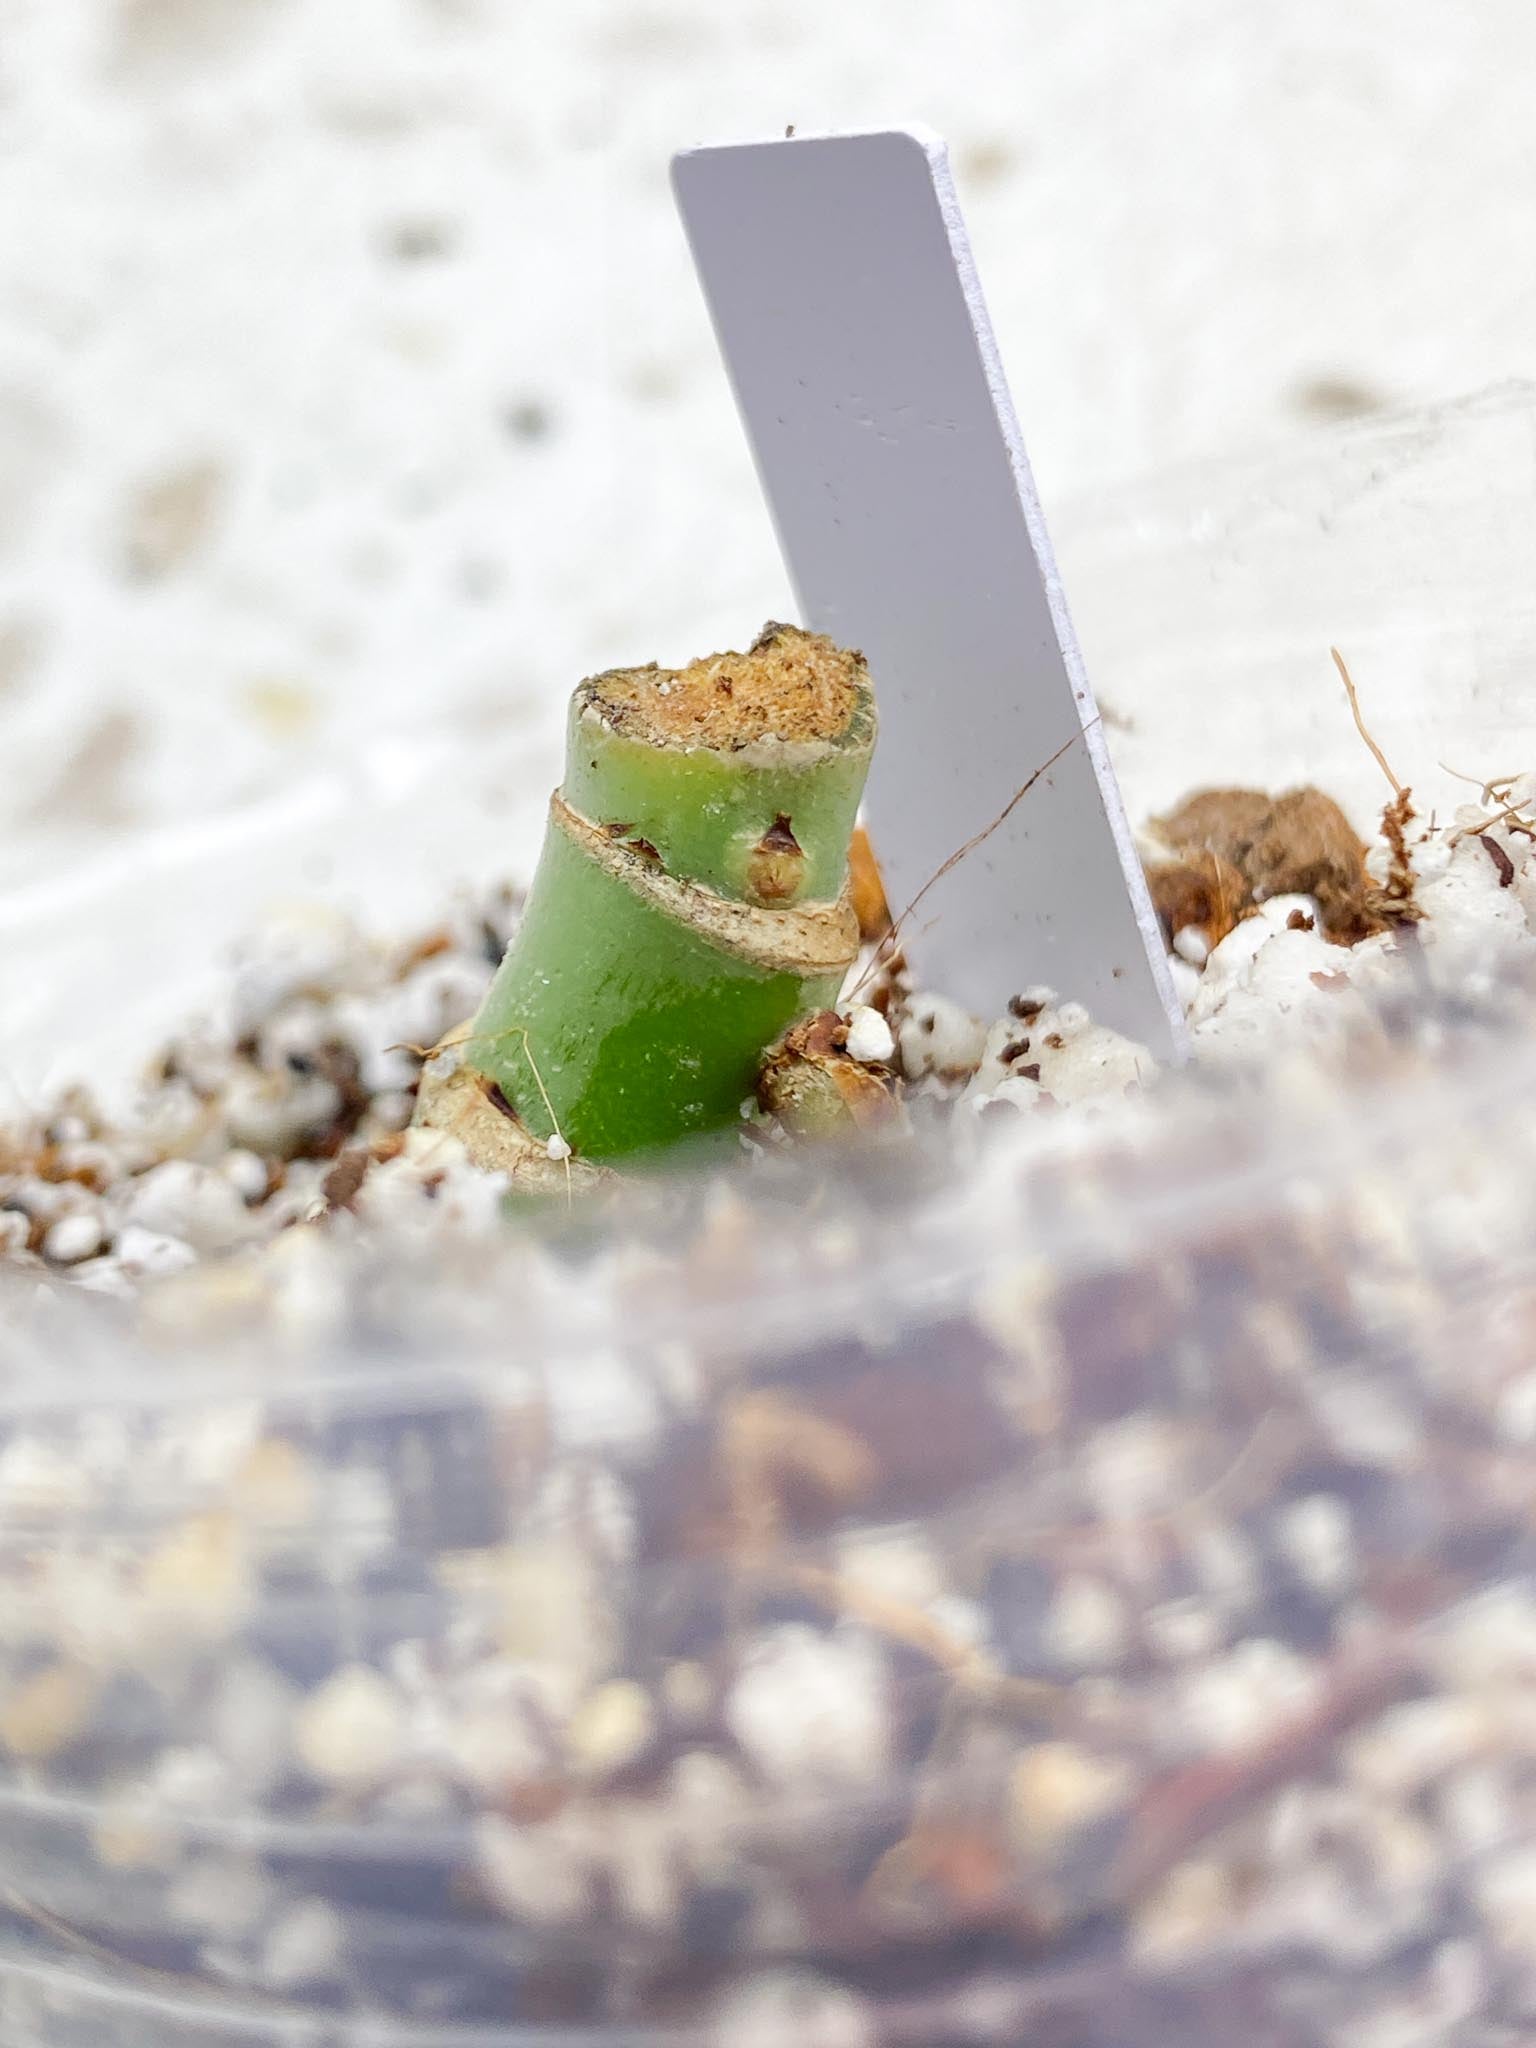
888 944
1360 724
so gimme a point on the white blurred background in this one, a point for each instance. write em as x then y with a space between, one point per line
356 398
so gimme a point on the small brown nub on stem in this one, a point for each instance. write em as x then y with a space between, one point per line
789 685
815 1087
776 865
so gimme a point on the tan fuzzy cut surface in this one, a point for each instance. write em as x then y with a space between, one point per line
789 685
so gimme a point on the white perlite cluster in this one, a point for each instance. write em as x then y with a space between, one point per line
243 1126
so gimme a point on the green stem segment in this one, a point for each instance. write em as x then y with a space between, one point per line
691 900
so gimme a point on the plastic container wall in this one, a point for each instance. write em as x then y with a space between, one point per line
1085 1601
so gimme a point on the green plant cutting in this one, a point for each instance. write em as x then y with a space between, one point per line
691 904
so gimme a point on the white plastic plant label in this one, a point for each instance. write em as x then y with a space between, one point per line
840 281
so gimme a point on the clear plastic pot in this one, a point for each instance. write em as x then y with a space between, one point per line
1084 1600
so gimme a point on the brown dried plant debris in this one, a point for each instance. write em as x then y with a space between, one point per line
1297 843
1504 867
1395 899
1199 890
867 888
